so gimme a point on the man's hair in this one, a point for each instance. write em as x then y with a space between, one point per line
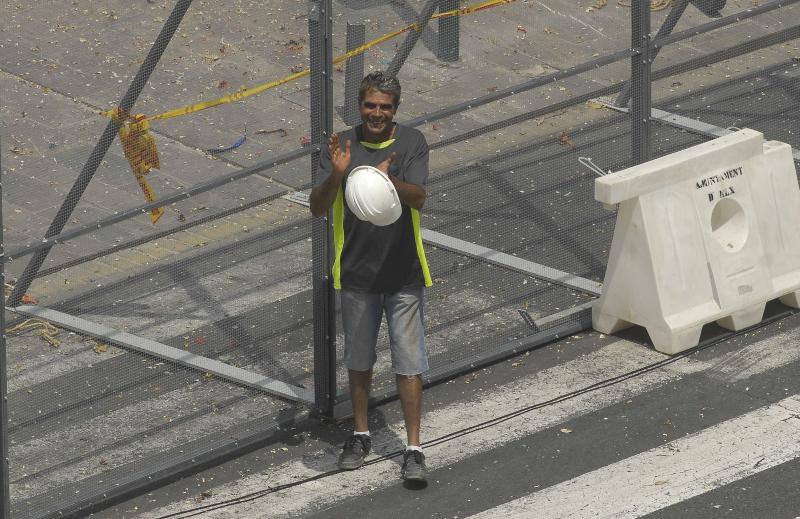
381 82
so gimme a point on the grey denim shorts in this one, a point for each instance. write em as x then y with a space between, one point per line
361 320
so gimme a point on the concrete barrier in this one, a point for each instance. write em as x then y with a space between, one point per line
710 233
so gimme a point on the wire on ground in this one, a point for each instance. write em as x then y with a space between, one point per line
192 512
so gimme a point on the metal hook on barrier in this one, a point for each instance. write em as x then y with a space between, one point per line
587 161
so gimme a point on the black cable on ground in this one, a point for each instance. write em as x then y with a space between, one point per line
192 512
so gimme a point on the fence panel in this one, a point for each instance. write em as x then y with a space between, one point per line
178 340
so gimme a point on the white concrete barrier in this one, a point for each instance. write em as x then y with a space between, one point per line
710 233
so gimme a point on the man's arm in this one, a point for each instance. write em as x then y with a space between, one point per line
323 195
410 194
411 189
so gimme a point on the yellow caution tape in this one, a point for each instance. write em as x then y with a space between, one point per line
248 92
140 150
140 147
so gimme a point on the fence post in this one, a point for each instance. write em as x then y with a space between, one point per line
666 28
354 72
447 39
324 304
5 498
640 80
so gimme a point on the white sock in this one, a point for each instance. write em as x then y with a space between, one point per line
365 433
413 448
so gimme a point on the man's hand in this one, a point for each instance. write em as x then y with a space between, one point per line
410 194
384 166
324 194
340 160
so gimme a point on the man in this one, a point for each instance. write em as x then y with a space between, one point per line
379 269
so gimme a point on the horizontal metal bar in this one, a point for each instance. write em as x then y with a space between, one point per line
523 87
492 256
185 464
512 262
168 353
565 314
693 64
721 22
566 103
731 52
685 123
136 211
581 320
118 247
695 126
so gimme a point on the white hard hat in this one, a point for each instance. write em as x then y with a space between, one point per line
371 196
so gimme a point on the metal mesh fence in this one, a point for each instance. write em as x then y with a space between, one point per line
188 338
173 337
718 81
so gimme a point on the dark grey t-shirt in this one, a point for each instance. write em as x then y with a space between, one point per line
379 259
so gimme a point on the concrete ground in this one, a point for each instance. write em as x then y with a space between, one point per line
87 416
714 434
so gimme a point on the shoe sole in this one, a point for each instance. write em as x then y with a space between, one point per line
353 465
417 478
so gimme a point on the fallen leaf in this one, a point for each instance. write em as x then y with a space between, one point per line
305 141
99 347
283 132
19 150
549 30
522 29
564 140
28 299
294 44
599 4
222 84
199 340
297 68
566 430
103 461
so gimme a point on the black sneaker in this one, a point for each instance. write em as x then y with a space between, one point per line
414 466
354 450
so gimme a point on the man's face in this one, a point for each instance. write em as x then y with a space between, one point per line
377 111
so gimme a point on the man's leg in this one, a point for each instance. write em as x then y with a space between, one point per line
410 389
360 382
361 317
404 315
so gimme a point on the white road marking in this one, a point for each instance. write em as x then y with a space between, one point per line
671 473
614 359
